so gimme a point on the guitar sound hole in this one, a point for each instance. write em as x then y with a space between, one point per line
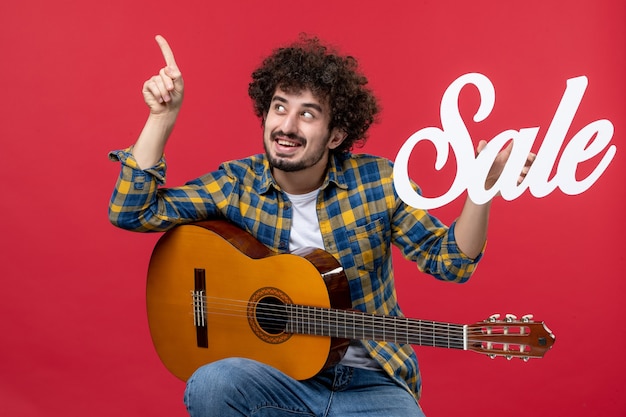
271 315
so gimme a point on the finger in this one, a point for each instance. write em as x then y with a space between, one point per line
166 79
172 80
509 148
173 74
504 154
156 88
168 55
151 90
163 89
481 146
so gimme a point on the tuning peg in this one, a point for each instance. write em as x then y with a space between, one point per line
527 318
493 318
492 355
510 318
526 358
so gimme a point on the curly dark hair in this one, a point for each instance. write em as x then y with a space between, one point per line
309 64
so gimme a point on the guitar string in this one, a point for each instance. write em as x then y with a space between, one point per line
243 305
278 311
371 324
418 332
372 327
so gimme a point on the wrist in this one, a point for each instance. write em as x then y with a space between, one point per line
167 118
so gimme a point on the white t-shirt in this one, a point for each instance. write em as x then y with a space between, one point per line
305 233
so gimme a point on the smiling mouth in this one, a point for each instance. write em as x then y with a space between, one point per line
287 143
288 140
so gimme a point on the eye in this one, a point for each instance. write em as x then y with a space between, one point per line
279 108
308 115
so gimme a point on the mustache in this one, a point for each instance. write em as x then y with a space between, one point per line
291 136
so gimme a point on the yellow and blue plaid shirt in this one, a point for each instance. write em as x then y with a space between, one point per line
360 216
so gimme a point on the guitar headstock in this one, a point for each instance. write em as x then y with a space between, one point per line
511 338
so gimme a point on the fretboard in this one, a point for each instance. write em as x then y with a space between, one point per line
348 324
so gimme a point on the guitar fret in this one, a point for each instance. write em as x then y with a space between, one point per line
420 332
395 329
319 323
406 330
341 325
353 328
434 343
427 333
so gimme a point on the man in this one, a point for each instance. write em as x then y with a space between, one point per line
307 190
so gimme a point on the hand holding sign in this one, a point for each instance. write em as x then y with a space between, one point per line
163 92
499 163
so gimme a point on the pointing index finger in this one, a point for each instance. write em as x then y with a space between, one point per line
168 55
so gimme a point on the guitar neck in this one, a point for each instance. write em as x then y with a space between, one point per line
349 324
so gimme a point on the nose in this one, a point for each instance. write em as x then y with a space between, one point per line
289 123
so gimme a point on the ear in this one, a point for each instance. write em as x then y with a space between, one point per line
337 136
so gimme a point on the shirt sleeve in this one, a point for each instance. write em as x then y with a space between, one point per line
425 240
140 204
131 204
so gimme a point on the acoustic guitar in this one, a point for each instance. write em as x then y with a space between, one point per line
214 291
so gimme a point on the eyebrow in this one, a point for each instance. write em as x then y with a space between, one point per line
313 106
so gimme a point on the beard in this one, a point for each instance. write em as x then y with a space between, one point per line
288 165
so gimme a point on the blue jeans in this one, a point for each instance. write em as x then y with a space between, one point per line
242 387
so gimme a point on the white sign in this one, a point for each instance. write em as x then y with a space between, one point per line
472 170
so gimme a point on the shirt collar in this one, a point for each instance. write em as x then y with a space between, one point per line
335 171
334 174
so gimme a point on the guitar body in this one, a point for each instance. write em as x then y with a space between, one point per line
216 262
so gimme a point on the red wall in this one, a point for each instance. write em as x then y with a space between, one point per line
74 336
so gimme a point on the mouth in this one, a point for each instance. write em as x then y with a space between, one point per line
287 143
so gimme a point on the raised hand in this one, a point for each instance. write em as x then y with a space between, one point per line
500 161
163 92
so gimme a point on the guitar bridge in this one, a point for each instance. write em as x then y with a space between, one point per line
198 296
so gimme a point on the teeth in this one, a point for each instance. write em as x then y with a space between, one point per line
286 143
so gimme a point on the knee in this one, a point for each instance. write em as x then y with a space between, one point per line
213 385
220 375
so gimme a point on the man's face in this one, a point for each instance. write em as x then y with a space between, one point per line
296 135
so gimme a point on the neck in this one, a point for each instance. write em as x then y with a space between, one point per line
299 182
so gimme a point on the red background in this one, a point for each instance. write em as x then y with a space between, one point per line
74 336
